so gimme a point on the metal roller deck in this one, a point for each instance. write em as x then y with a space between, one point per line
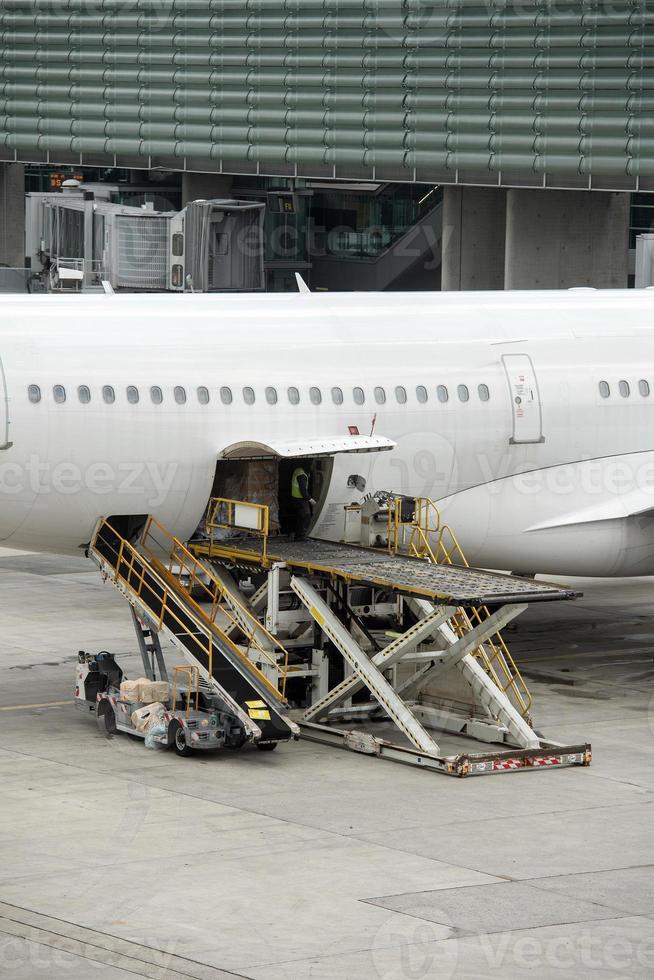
451 584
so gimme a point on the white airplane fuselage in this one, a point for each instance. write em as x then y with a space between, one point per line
543 475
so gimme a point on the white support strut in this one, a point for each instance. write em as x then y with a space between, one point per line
490 696
372 678
390 655
457 650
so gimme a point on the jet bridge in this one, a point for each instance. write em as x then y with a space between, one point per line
407 636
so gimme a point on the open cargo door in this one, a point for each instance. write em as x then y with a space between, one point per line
317 448
261 472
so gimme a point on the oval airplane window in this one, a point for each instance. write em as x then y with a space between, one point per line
337 396
483 392
271 396
421 394
380 396
59 394
463 393
624 389
442 393
400 394
108 394
226 396
294 396
34 394
84 394
133 395
180 395
156 395
358 395
203 395
315 395
248 396
643 387
604 389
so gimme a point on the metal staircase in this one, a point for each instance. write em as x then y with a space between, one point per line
426 536
160 591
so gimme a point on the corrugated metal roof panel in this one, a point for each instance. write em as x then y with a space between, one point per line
348 85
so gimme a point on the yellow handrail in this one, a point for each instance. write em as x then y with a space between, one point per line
214 593
131 572
193 676
426 536
134 581
241 515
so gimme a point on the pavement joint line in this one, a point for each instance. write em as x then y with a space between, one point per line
579 874
120 962
536 813
377 901
462 867
533 883
91 959
46 704
102 942
336 833
372 949
241 809
460 933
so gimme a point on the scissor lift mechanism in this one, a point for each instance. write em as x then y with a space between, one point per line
455 634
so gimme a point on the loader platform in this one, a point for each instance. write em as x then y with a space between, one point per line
452 584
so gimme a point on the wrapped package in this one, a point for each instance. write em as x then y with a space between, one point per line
145 718
262 487
255 481
150 691
131 690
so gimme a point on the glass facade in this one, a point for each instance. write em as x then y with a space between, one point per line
642 217
363 224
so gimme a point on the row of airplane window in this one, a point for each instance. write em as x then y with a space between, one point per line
624 388
203 395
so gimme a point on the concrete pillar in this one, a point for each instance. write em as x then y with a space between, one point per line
474 221
204 187
12 215
559 239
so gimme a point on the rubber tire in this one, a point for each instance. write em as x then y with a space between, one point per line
106 719
234 746
177 738
268 747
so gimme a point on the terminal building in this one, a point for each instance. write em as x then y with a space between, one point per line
396 143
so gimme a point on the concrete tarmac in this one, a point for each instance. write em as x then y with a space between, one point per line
311 862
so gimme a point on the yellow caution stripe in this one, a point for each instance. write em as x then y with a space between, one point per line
258 710
319 618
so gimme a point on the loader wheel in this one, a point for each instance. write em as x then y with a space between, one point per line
106 719
236 741
177 738
268 746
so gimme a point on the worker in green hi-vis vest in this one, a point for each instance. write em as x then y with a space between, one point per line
303 503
